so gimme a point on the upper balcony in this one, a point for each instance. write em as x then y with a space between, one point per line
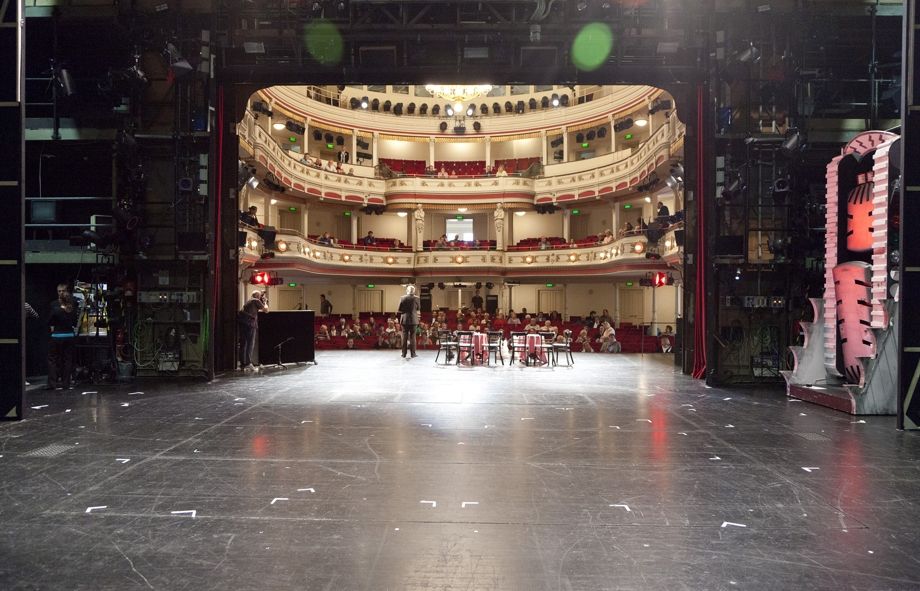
608 175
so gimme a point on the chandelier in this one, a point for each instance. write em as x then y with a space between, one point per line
458 93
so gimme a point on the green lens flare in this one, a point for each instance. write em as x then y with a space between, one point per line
592 46
324 42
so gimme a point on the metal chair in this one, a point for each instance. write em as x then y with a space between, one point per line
464 343
516 344
496 341
448 344
564 347
549 339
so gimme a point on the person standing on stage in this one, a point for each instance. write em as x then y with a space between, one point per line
408 317
62 327
249 325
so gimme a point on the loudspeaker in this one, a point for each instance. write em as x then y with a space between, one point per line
491 304
278 327
679 237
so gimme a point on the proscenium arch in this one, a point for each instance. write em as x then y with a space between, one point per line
687 86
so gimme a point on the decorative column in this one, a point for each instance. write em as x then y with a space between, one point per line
354 147
565 144
306 219
430 151
566 223
374 148
354 226
488 152
266 209
419 218
544 152
613 135
615 219
499 219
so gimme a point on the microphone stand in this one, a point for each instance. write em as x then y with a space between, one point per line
278 346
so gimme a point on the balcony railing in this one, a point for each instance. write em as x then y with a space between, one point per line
294 251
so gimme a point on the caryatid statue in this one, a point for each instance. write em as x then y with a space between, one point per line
419 227
499 217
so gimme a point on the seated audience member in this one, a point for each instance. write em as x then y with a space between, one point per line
442 174
627 229
667 339
605 317
607 238
323 333
351 171
369 240
338 168
640 224
501 171
585 341
513 321
424 335
430 171
325 239
571 243
329 166
544 243
548 327
608 339
350 343
591 319
307 160
442 242
342 326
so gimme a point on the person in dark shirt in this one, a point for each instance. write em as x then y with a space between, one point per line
325 306
62 330
663 211
249 217
369 240
477 301
249 324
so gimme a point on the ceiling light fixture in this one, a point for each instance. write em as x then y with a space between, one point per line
462 209
640 122
520 214
402 214
278 126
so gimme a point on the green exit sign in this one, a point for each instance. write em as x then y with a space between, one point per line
330 146
550 285
629 284
576 211
292 139
292 209
459 217
292 285
627 206
584 144
371 286
628 136
347 214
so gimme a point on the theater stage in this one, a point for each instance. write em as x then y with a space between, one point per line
370 472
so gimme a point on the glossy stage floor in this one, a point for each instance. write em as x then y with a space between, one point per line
370 472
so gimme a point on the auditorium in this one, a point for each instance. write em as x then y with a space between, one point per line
496 294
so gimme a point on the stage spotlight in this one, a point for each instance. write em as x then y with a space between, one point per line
579 137
477 126
386 106
178 65
375 105
601 132
794 142
519 107
64 80
532 103
443 126
423 109
623 124
591 135
749 55
435 110
441 285
544 102
564 100
733 190
496 108
470 110
354 103
449 110
410 109
555 100
364 102
398 109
